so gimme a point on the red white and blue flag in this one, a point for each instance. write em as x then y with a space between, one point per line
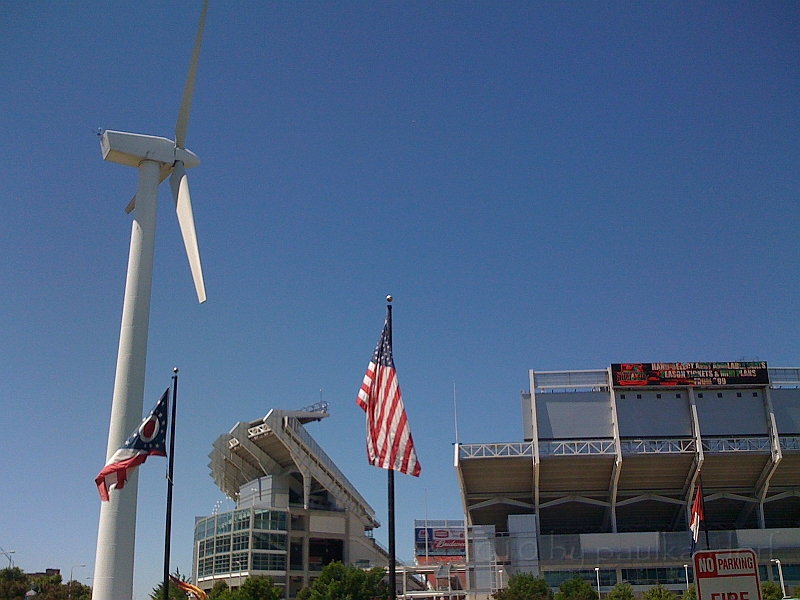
389 442
149 438
698 516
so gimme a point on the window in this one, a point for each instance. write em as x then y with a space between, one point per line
755 394
269 541
263 561
241 541
699 395
658 395
719 394
622 396
222 563
677 395
654 575
296 554
205 567
298 523
738 394
241 520
638 396
269 520
224 523
238 562
223 544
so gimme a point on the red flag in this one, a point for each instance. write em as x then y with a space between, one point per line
698 515
389 442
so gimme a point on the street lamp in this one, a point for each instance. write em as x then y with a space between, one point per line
500 573
69 584
686 571
597 573
780 574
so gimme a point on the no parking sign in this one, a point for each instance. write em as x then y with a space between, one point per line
727 575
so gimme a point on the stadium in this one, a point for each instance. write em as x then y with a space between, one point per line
611 460
295 510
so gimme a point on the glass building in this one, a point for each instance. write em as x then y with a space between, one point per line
295 510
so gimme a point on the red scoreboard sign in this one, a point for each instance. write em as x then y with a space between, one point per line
693 374
727 575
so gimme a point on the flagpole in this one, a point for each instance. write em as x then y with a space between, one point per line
392 570
168 528
703 505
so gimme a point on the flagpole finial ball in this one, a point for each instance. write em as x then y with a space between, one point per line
174 369
389 298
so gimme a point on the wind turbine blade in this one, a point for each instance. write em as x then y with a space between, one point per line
186 104
165 171
183 207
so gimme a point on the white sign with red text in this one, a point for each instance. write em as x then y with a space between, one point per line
727 575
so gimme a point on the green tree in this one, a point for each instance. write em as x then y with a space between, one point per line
48 587
13 584
175 593
77 591
576 589
621 591
690 594
337 581
524 586
220 591
771 591
258 588
659 592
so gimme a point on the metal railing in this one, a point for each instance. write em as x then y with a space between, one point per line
552 380
576 447
511 449
736 444
656 446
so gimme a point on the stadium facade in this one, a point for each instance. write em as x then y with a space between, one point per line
295 510
604 479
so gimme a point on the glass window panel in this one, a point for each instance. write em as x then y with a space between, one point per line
241 520
224 523
211 524
269 562
270 520
200 530
223 544
222 563
238 562
269 541
241 541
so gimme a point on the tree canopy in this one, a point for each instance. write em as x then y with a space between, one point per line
525 586
621 591
338 581
659 592
771 591
576 588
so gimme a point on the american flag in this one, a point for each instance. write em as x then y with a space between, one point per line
698 516
389 442
149 438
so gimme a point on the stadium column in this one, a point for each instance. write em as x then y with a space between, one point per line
535 454
762 486
612 490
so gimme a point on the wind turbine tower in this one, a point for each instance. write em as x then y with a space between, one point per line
156 158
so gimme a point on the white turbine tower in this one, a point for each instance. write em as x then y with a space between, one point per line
156 158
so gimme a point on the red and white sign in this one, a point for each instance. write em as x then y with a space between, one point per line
727 575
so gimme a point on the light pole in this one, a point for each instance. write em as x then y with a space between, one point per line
69 584
597 573
686 571
8 554
500 572
780 575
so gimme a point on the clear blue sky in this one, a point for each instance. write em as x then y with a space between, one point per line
539 185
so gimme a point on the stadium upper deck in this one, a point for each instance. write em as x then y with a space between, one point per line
623 450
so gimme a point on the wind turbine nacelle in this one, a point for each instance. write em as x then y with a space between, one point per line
131 149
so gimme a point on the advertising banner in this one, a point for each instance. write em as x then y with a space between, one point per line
439 541
693 374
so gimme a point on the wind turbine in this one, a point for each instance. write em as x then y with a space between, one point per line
156 158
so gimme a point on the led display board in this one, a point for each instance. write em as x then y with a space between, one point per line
693 374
